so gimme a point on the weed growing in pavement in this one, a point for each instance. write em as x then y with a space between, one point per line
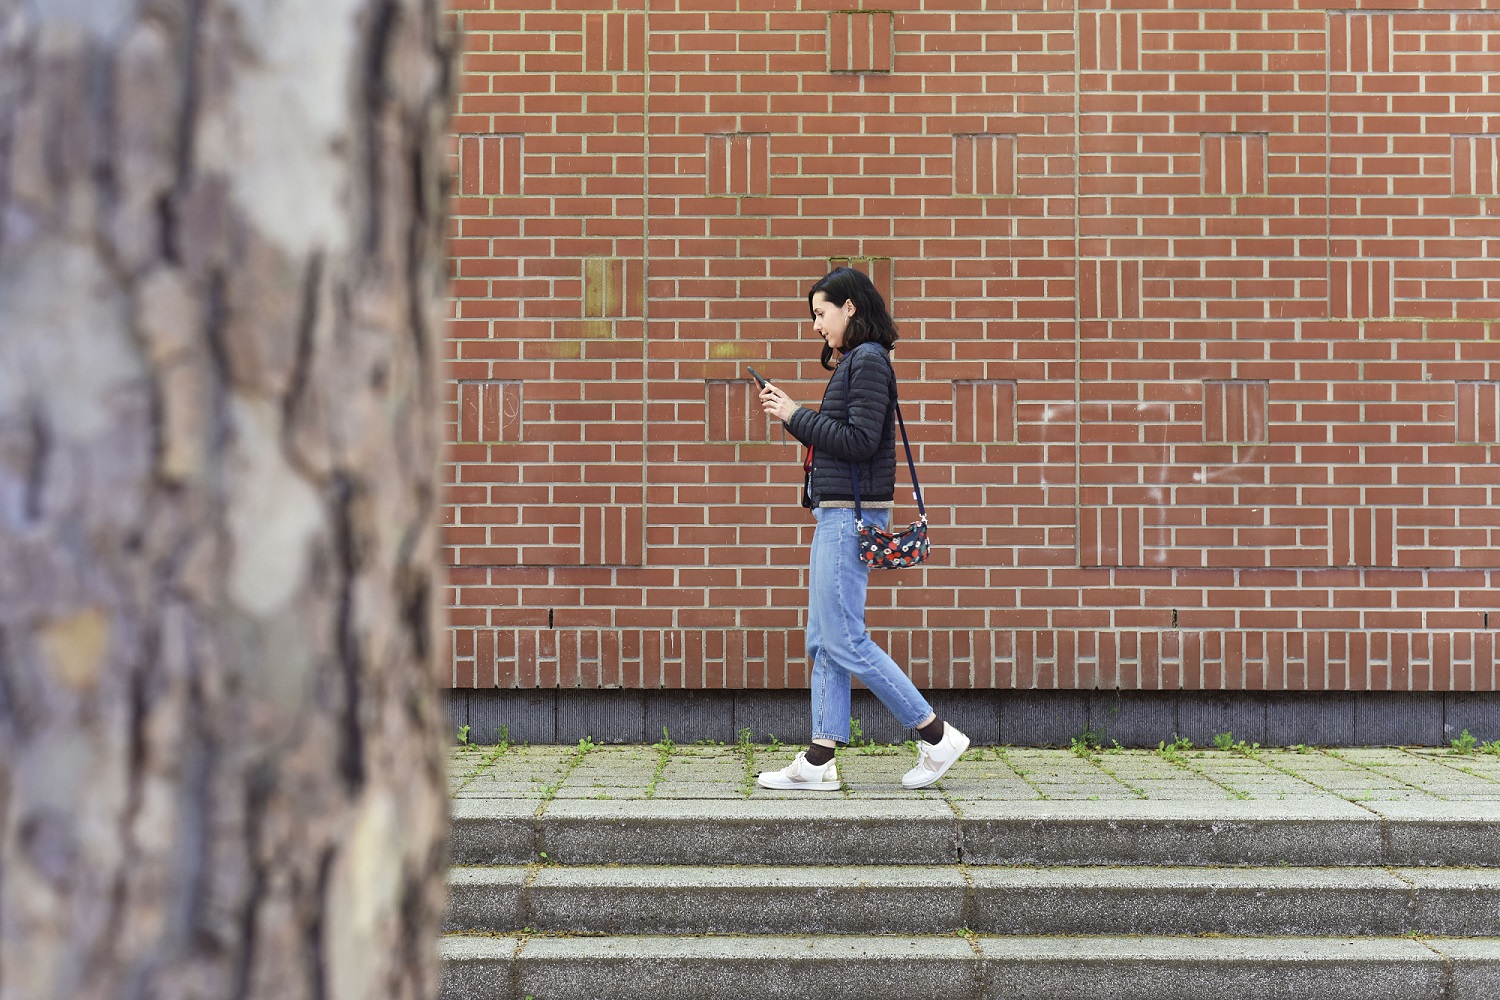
664 748
463 736
1492 748
1087 742
1226 742
502 740
857 735
747 748
1466 744
1173 751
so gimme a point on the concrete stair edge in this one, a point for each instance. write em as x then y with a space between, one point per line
899 899
500 831
978 966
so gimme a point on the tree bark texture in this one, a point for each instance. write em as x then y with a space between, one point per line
221 317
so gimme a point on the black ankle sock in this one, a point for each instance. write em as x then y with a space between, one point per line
932 732
818 754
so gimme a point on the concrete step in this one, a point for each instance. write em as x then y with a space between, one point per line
998 900
968 968
842 831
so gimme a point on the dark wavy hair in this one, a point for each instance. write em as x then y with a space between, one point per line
871 320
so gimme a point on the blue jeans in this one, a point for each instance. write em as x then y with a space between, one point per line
838 647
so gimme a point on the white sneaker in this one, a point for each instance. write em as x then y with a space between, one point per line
802 776
934 759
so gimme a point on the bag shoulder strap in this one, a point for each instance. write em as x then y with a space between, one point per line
916 488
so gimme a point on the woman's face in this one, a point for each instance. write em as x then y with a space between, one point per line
831 321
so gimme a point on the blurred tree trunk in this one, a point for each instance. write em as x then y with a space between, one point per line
221 302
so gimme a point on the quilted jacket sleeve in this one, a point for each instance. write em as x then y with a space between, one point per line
852 433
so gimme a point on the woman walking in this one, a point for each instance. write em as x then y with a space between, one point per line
853 429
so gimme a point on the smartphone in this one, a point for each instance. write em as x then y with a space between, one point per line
756 375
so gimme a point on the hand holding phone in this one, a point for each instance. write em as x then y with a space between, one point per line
756 375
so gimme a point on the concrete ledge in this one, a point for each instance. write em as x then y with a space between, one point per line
1142 968
1313 832
835 967
710 832
1168 832
1019 718
863 899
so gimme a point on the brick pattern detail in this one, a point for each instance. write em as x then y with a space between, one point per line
1108 41
614 42
1234 164
1234 412
1109 289
1477 405
1403 88
984 166
613 287
739 164
882 271
1476 165
1362 536
947 659
489 412
1361 289
861 41
734 414
984 412
1116 522
1109 536
490 165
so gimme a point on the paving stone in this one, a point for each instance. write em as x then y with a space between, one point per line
492 831
1457 901
1226 831
653 899
834 967
486 899
1126 968
1476 966
754 830
1176 900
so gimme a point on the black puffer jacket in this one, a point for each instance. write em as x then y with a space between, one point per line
863 432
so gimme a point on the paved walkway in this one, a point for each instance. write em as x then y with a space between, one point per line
1180 774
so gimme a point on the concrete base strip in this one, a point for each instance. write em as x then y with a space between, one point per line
1024 968
928 831
858 899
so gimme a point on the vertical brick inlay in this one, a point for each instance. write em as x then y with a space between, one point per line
1361 289
1476 165
1359 43
861 41
1109 289
734 414
984 165
489 165
984 412
613 535
489 412
613 287
1362 536
1109 536
1234 163
1478 412
738 164
1109 41
614 42
880 269
1234 412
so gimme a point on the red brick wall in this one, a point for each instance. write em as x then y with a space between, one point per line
1200 315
